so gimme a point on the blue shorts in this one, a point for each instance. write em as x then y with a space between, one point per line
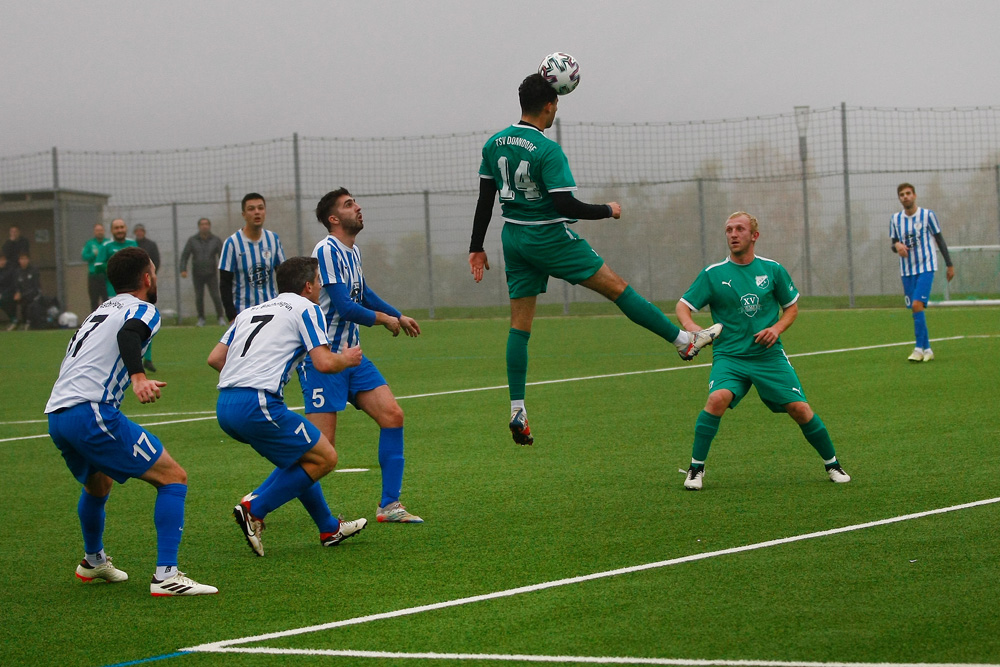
917 288
97 437
330 392
263 421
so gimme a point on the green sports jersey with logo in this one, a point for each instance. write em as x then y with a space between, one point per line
527 166
745 299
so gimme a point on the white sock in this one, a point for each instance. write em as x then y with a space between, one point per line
517 405
683 338
164 572
97 559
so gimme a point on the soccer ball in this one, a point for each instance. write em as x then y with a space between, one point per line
561 71
68 320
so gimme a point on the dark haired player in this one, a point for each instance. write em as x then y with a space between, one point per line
531 174
249 257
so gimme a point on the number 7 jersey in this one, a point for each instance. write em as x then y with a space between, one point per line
527 166
267 341
92 370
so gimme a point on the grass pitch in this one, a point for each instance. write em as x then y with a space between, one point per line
599 491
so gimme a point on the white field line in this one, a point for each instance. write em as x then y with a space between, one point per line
211 413
216 646
579 659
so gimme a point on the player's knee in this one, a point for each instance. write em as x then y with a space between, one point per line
718 401
391 417
799 411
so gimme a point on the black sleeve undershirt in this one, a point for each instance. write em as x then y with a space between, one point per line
943 247
569 206
484 211
226 292
131 337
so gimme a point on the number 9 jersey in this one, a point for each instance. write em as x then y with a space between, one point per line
267 341
93 370
527 166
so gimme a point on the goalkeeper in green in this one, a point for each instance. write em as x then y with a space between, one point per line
754 299
531 174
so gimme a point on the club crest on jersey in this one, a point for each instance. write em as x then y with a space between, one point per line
750 304
762 281
266 254
917 226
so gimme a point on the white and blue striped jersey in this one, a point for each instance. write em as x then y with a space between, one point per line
92 370
916 232
267 341
340 264
252 264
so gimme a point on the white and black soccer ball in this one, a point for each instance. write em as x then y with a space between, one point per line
68 320
561 71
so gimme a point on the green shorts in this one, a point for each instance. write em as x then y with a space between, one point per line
532 253
771 372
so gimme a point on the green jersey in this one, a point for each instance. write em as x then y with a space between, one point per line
527 166
745 299
91 250
109 248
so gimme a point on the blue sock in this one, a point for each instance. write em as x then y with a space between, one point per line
168 515
920 329
390 458
288 483
315 503
267 482
91 511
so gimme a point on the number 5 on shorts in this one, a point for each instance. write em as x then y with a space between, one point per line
318 399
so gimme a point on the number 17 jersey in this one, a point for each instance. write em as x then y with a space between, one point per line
526 166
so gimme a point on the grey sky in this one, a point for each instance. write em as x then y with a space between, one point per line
117 75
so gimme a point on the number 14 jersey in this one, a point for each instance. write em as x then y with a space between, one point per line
267 341
526 166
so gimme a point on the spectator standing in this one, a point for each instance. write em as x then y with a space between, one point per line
95 272
15 246
27 288
8 278
149 245
204 250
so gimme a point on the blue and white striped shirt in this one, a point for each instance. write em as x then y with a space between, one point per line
92 370
340 264
267 341
252 264
916 232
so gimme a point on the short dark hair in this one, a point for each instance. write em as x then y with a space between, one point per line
534 93
126 268
903 186
324 209
251 195
293 274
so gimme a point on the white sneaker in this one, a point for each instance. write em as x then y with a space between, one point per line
693 480
917 355
223 322
201 321
837 474
396 513
699 339
86 572
179 584
347 529
249 524
928 355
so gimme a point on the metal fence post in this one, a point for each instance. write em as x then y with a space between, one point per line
430 255
997 174
298 192
177 268
701 217
57 231
847 206
565 284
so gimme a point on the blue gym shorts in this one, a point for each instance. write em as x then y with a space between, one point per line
96 437
917 288
330 392
263 421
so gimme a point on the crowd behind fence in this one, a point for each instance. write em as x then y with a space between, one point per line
822 182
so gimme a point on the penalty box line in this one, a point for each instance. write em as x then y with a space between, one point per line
222 645
469 390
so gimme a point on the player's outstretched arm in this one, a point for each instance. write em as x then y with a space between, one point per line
217 357
683 312
327 361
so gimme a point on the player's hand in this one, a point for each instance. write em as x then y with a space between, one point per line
478 262
766 337
184 274
146 390
950 273
409 326
352 356
901 249
616 210
392 324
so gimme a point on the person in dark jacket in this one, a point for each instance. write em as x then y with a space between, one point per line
27 288
204 249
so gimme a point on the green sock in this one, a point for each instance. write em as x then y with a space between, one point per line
645 314
705 428
817 435
148 355
517 362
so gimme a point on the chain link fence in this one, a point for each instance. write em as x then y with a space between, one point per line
822 182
